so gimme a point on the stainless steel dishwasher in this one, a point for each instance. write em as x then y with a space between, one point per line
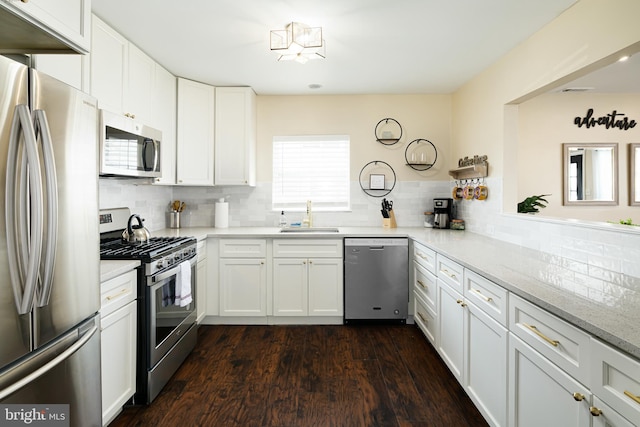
376 279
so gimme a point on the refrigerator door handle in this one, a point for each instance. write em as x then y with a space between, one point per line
23 256
51 183
34 375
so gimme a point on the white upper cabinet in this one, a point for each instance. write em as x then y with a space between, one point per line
196 114
108 66
41 26
164 110
70 69
122 76
138 94
235 136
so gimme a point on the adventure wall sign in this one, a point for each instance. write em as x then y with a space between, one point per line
612 120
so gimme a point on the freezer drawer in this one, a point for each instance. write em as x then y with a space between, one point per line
66 371
376 279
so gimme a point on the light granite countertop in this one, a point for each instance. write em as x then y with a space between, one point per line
607 309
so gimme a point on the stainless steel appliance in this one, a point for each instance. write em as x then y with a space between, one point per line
49 259
167 330
442 212
128 148
376 279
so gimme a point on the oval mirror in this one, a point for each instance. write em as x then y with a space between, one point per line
590 174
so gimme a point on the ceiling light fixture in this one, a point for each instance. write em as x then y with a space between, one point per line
298 42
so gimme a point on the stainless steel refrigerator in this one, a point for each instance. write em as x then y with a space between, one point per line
49 248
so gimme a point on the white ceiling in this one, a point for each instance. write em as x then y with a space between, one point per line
372 46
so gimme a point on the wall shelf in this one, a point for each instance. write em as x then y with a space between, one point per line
480 170
388 131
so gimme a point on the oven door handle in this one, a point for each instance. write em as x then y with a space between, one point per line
169 273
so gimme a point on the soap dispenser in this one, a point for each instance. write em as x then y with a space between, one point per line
283 220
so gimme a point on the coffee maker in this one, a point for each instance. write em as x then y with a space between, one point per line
442 212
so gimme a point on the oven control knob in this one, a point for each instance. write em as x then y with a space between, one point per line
159 264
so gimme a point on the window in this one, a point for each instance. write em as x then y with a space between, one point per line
312 168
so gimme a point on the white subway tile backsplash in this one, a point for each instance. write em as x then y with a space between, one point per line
578 249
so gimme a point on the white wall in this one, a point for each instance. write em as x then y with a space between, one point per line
546 122
590 34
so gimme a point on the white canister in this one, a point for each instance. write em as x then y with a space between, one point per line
222 214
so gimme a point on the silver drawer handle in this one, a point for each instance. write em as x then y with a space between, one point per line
487 299
535 330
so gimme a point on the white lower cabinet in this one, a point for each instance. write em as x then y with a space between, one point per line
201 281
605 416
452 329
307 277
541 394
118 323
243 277
485 373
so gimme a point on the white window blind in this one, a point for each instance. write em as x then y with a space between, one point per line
312 168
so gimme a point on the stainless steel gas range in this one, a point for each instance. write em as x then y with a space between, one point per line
167 329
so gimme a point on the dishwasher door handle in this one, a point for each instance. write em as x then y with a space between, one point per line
376 248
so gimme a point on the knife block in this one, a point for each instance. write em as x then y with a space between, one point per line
390 222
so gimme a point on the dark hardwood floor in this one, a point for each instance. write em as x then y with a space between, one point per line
294 376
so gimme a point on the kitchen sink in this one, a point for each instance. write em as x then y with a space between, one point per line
309 230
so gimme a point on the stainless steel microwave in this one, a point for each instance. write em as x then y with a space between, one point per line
128 148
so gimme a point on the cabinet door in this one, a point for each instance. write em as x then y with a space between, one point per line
540 393
290 290
138 95
243 286
67 20
195 133
164 119
201 282
109 55
70 69
118 353
325 287
608 417
235 136
486 365
451 334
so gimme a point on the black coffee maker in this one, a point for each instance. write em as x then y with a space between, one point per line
442 212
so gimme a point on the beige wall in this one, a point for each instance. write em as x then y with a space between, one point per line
546 122
590 34
421 116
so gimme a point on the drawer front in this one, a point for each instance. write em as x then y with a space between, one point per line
486 295
243 248
562 343
425 318
425 285
307 248
117 292
449 272
616 379
424 256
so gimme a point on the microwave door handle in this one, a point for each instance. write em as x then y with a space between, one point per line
149 142
51 181
24 261
156 155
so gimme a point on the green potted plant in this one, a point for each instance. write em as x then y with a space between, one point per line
531 204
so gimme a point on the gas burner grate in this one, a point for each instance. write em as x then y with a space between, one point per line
116 249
